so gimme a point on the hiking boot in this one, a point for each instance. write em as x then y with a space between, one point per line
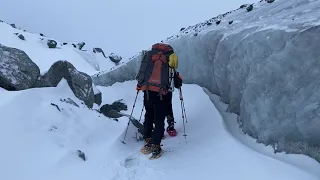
149 148
171 131
157 152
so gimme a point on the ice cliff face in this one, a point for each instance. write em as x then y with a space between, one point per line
264 63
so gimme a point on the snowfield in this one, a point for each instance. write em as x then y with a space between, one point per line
37 49
41 142
263 64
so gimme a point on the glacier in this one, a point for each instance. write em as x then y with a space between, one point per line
264 64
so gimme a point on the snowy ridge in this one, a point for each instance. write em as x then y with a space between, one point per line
35 45
259 65
263 16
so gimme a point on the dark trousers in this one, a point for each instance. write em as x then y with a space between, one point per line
156 110
168 100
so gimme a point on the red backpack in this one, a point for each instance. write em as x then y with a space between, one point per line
153 74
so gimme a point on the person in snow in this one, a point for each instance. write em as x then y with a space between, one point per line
154 80
175 81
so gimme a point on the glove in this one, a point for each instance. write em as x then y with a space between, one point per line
138 87
177 80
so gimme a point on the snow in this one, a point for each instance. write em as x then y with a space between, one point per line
259 66
40 142
44 57
272 84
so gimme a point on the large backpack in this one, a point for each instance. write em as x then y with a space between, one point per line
153 74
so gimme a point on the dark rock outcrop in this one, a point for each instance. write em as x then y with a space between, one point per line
79 82
17 70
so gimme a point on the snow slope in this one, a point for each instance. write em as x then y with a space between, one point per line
40 142
263 64
38 51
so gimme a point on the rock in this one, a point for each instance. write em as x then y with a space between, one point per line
1 21
74 45
114 114
17 70
20 36
115 58
99 50
119 106
52 43
13 25
82 155
218 22
64 43
270 1
79 82
97 95
109 112
113 110
243 6
250 8
209 23
41 34
230 22
98 98
195 34
182 29
80 45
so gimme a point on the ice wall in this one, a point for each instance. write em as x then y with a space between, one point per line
264 63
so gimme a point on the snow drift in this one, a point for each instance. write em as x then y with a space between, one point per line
263 63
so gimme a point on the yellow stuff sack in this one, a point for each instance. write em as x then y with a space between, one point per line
173 61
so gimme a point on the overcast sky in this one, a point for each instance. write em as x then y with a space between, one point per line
121 26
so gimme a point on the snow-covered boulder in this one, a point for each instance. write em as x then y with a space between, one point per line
17 70
115 58
79 82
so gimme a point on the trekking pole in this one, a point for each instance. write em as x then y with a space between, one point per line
184 109
141 113
183 114
140 120
134 104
